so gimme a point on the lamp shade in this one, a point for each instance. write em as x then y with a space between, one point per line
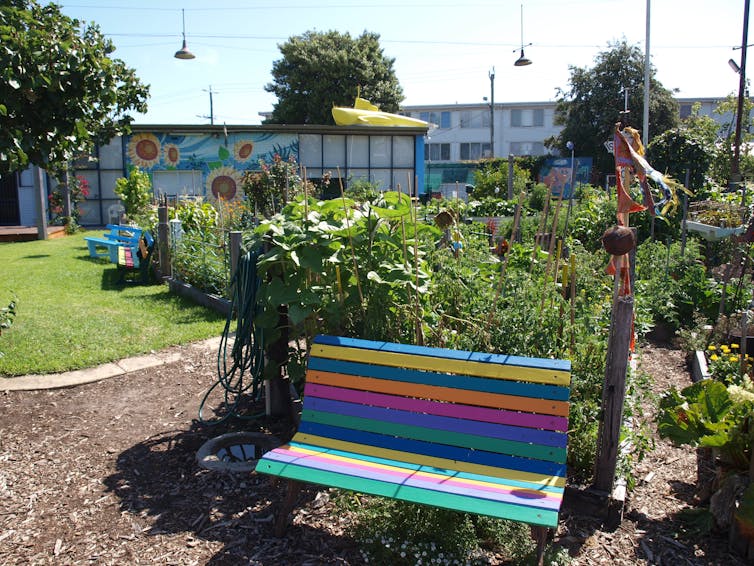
522 61
184 53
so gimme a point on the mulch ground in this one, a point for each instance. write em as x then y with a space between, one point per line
106 473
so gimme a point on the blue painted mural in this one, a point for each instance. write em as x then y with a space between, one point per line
222 159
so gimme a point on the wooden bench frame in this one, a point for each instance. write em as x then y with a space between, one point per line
474 432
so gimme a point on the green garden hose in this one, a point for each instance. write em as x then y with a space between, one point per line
239 372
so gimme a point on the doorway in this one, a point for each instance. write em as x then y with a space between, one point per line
9 213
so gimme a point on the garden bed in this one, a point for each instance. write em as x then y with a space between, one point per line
216 303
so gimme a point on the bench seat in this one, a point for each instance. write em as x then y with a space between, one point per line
110 246
474 432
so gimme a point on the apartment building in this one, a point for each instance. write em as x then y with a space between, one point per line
468 132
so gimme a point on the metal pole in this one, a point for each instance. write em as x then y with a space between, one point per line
645 132
735 174
492 112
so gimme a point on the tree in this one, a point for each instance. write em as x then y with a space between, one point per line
60 91
694 146
322 70
590 108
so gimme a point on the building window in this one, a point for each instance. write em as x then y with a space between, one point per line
437 152
440 119
527 118
474 151
471 119
685 111
528 148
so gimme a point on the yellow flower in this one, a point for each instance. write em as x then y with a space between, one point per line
734 346
733 358
711 348
724 349
713 357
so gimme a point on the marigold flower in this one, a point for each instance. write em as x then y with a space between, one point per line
713 357
734 346
711 348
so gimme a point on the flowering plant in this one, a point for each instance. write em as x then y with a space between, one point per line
726 364
78 191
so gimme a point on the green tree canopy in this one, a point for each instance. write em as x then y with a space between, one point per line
590 108
322 70
60 91
692 146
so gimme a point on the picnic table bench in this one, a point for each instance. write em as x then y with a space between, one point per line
474 432
128 247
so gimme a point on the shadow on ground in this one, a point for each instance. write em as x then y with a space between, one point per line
159 478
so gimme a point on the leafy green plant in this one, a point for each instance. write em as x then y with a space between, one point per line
7 315
273 185
707 414
135 191
397 532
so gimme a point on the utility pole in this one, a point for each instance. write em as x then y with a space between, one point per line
735 174
492 112
211 111
645 132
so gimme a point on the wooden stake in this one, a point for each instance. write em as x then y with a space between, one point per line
350 240
415 212
498 292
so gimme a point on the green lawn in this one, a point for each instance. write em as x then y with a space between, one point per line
73 313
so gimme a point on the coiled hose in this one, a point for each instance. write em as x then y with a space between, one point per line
239 373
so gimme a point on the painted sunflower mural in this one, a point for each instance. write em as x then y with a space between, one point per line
223 183
242 150
144 150
171 155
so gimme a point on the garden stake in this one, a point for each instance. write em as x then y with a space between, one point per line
550 249
573 303
350 240
406 263
498 292
415 213
539 235
556 270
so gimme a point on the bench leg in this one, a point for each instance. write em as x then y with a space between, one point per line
539 534
291 495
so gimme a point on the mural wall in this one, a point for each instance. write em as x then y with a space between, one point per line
214 162
556 174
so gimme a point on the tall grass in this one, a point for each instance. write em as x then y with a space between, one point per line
74 313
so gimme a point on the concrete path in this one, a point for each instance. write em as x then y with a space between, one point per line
105 371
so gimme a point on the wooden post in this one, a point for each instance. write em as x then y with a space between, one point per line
614 392
235 254
163 239
40 203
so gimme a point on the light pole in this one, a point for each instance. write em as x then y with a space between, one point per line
735 174
183 52
492 112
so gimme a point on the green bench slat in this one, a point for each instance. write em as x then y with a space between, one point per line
501 510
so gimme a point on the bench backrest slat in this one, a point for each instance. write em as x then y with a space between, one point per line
491 369
429 404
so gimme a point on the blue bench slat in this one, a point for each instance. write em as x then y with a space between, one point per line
478 428
470 383
503 359
435 450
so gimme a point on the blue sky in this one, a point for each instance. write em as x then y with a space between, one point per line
443 50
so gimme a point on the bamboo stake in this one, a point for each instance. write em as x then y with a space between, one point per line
406 263
501 280
350 240
573 304
542 222
415 214
550 249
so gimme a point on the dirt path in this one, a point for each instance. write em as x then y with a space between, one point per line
106 473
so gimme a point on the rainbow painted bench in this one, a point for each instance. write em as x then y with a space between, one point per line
474 432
